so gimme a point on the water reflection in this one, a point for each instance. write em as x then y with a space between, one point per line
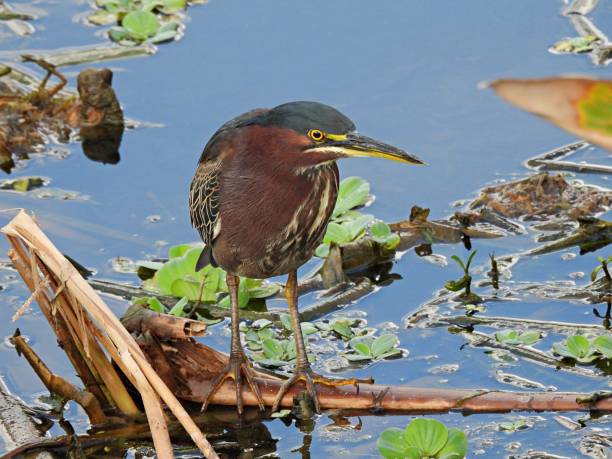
101 116
101 143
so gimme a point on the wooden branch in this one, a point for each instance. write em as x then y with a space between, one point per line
60 386
199 364
161 325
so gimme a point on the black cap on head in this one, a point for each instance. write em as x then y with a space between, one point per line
303 116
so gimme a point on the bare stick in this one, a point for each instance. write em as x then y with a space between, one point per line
58 385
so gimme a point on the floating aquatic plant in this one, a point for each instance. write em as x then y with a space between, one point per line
517 337
584 350
178 277
370 348
422 439
349 225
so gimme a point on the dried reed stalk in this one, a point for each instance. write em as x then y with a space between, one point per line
83 301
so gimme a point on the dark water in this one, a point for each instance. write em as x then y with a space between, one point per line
405 72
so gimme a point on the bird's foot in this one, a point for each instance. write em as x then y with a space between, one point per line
311 379
237 367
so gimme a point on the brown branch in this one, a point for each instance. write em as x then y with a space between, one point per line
199 364
161 325
58 385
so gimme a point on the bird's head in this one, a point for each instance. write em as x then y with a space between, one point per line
318 133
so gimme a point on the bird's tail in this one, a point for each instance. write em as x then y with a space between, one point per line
206 258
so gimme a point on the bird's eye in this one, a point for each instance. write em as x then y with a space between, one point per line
316 135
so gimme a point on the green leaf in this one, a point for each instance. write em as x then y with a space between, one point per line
272 349
338 233
141 24
603 344
391 353
595 271
308 328
286 321
391 444
281 414
469 260
322 251
179 250
582 44
353 192
392 241
264 290
578 345
383 344
514 426
265 333
363 349
357 357
261 324
427 435
459 261
291 351
342 328
243 297
530 337
162 37
456 445
156 305
358 224
174 5
182 267
380 231
119 34
514 337
456 285
178 309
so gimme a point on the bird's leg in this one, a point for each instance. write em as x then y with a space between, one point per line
238 365
303 371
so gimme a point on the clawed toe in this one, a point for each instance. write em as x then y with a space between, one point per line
311 379
235 370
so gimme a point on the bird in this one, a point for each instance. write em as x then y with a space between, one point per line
261 197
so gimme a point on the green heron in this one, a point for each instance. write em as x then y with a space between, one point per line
261 198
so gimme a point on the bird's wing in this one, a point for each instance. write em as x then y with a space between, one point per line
204 206
204 192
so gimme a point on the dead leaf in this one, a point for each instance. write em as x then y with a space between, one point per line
580 105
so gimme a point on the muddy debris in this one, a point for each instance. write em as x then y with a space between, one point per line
32 118
542 197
